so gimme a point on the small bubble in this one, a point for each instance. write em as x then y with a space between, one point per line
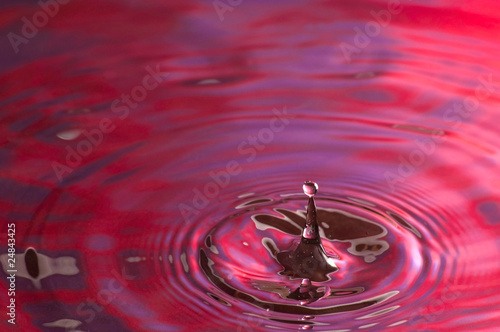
310 188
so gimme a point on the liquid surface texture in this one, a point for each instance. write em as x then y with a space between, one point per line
152 156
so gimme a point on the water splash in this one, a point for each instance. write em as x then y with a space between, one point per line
309 260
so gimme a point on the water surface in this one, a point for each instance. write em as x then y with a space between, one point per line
152 156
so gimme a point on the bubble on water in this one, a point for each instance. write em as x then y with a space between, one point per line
310 188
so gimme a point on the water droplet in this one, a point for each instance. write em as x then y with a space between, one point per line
310 188
309 260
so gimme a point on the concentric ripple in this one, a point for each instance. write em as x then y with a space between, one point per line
377 273
395 267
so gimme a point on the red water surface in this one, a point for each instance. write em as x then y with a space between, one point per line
144 144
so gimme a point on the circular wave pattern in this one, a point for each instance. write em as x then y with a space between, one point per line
404 257
391 267
239 258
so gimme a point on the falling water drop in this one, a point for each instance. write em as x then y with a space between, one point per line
310 188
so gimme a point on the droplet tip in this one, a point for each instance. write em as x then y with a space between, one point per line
310 188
